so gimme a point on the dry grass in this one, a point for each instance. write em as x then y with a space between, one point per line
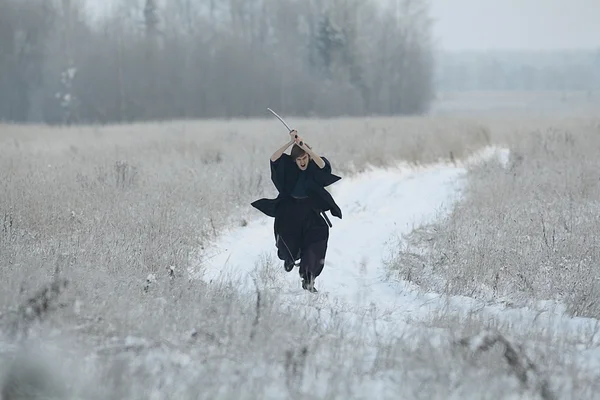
525 232
106 207
113 204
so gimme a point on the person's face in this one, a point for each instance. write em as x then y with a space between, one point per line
302 161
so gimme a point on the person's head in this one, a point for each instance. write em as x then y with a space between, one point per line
300 156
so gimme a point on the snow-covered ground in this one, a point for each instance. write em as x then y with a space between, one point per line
365 335
378 207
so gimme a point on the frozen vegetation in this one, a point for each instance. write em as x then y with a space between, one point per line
133 267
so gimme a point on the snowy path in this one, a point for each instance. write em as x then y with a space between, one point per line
378 207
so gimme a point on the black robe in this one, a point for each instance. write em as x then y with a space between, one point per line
284 174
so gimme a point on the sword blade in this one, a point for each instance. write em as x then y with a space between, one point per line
281 119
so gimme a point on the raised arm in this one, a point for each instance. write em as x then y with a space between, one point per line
280 151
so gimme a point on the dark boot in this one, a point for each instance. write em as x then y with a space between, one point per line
288 265
284 254
309 284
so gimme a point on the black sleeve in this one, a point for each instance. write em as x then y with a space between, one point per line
278 172
323 176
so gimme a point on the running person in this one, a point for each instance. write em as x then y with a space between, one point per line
301 231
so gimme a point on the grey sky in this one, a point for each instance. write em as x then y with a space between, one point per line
516 24
508 24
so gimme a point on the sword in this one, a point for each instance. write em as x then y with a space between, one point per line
281 119
301 144
283 122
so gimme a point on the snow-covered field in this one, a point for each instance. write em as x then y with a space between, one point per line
232 324
381 205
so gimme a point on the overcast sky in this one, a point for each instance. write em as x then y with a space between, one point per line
509 24
516 24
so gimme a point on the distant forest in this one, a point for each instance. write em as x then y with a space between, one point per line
518 71
213 59
233 58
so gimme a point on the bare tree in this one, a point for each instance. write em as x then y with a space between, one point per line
24 27
195 59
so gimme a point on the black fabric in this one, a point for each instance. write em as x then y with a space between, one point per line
300 230
285 173
313 260
303 234
299 190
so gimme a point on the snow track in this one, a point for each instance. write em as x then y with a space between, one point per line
378 207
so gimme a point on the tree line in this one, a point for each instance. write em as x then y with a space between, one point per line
213 59
575 70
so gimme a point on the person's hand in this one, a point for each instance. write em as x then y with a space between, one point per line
293 135
299 141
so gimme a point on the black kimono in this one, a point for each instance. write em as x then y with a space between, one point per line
300 230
